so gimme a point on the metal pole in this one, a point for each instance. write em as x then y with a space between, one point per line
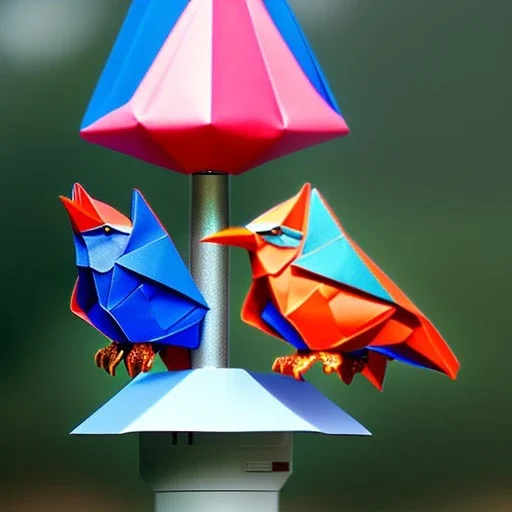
211 471
209 264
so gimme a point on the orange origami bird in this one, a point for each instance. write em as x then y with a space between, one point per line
314 288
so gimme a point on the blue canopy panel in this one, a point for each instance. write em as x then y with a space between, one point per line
144 31
290 30
225 400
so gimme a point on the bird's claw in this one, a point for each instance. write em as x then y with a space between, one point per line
138 358
350 367
294 365
297 364
331 362
345 366
109 357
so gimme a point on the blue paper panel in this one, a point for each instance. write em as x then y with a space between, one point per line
142 316
189 337
290 30
136 317
104 250
146 225
151 253
328 253
124 283
103 284
131 402
271 316
81 254
322 227
225 400
144 31
169 308
309 404
338 261
89 303
195 316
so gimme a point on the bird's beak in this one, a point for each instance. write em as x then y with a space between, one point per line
236 237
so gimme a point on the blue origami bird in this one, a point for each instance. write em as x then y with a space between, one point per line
133 286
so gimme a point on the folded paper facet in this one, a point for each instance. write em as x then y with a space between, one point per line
224 400
314 288
132 284
211 85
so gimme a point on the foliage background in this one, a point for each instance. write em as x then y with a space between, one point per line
423 184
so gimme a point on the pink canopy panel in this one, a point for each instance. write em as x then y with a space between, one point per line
211 85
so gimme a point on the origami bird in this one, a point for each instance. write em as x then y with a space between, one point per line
314 288
132 285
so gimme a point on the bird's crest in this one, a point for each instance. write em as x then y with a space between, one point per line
290 213
87 213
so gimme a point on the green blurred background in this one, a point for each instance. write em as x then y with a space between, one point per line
423 184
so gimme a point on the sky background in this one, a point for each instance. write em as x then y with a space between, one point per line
423 184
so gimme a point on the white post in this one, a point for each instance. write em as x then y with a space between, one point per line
216 472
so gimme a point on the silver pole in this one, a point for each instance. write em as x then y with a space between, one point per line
209 264
210 471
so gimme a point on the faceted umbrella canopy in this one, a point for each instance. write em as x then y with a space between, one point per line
211 85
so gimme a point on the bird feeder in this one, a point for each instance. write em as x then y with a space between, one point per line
211 89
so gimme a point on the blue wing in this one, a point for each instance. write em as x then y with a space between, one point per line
91 301
271 316
152 313
328 253
151 254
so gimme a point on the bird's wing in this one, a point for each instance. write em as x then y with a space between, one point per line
86 305
254 305
153 314
327 252
151 253
423 347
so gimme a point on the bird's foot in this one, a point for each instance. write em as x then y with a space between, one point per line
295 365
109 357
139 359
345 366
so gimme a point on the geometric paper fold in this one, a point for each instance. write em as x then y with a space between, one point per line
210 84
219 400
315 288
133 286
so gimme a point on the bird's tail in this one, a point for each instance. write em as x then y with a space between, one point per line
375 369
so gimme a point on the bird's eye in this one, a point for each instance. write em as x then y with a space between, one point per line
107 230
276 231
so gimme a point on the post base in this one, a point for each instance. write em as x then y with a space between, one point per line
216 472
217 501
